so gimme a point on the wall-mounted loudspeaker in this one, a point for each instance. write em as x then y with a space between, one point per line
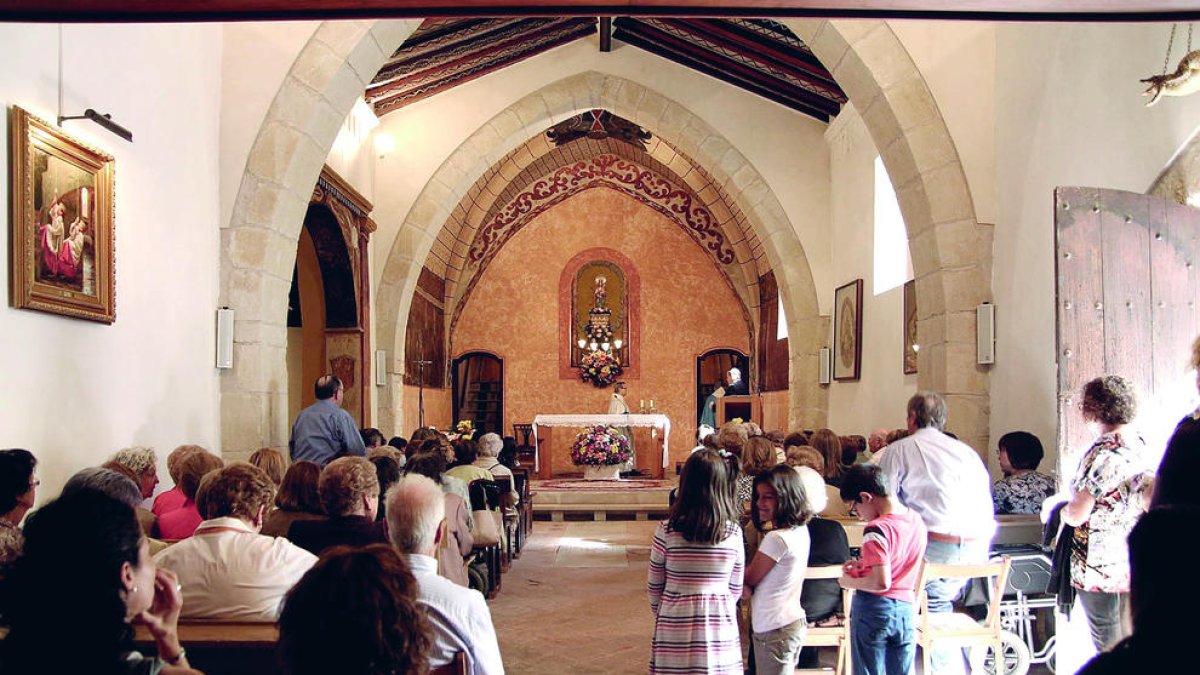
823 365
985 333
380 368
224 338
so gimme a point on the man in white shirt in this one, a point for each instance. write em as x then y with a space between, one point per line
946 482
460 617
227 569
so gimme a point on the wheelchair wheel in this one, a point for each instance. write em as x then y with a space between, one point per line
1016 657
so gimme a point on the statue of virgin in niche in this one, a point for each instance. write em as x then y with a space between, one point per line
600 293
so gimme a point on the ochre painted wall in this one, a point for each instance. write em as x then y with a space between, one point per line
686 308
437 410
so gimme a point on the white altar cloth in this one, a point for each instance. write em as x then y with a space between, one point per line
657 420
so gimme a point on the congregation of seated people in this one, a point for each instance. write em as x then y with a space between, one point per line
316 549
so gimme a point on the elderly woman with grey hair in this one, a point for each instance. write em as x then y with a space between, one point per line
489 452
115 484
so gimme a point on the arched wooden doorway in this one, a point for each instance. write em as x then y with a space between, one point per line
478 390
711 367
327 306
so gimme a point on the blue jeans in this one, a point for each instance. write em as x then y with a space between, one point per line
881 635
942 593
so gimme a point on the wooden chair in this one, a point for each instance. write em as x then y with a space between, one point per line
458 666
507 526
954 628
524 432
832 636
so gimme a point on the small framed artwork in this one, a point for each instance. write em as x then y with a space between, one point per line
847 331
61 236
910 328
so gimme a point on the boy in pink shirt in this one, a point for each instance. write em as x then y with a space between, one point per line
881 618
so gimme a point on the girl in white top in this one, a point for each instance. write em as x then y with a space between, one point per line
776 574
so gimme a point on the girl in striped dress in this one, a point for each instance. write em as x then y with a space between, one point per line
696 565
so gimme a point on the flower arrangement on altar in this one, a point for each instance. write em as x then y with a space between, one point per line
599 367
600 446
464 429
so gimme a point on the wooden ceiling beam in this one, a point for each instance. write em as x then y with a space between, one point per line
76 11
797 99
768 55
651 38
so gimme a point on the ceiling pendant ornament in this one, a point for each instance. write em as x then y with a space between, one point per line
597 124
1184 81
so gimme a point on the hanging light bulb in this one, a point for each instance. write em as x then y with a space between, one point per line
582 343
604 346
594 346
618 342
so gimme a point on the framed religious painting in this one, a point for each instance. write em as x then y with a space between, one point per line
910 328
847 331
61 231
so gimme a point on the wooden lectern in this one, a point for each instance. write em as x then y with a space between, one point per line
749 408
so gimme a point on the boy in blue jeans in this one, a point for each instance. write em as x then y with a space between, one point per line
885 576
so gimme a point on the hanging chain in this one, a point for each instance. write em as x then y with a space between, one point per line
1171 43
1189 47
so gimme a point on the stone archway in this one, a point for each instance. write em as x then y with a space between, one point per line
951 261
329 74
258 245
673 123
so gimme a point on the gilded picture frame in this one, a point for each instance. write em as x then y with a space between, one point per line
847 331
910 327
61 249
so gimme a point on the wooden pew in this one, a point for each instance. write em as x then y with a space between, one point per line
225 647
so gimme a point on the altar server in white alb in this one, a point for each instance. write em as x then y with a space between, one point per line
617 406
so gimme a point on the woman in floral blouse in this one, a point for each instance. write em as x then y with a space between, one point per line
1109 494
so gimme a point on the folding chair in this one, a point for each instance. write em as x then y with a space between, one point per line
954 628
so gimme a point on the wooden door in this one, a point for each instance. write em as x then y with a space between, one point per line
1127 289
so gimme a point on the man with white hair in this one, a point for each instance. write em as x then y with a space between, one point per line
876 442
460 617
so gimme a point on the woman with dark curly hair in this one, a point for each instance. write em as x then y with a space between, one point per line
356 613
1108 495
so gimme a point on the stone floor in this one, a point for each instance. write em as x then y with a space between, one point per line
575 602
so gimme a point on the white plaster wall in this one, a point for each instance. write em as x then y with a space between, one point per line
81 390
878 398
1068 112
254 61
784 146
958 61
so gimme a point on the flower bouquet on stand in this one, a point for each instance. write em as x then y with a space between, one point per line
600 451
600 368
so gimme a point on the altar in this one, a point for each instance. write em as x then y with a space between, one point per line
656 428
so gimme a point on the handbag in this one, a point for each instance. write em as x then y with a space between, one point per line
485 529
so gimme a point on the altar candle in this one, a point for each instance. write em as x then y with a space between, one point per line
641 403
652 404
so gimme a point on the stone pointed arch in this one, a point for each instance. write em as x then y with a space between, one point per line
258 245
951 257
671 121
